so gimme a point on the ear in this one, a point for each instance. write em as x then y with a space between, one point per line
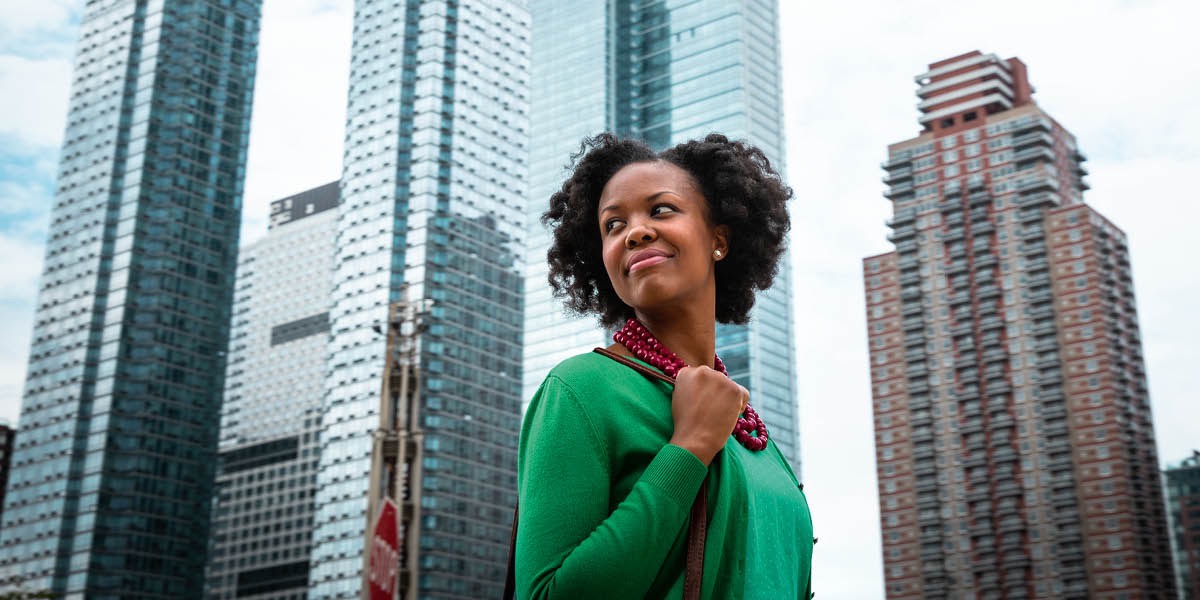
721 240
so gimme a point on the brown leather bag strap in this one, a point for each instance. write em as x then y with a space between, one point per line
697 519
636 366
697 532
510 580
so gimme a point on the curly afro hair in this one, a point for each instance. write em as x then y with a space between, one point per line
742 190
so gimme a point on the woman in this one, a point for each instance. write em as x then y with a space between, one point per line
610 461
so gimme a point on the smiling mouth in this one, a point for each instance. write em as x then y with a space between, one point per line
647 262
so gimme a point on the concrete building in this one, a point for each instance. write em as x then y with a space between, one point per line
664 73
433 194
1016 452
1183 512
113 467
271 415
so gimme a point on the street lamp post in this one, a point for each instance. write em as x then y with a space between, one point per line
397 449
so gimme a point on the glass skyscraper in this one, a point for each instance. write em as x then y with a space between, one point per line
433 192
271 415
665 72
113 467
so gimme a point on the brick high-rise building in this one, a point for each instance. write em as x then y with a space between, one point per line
1016 454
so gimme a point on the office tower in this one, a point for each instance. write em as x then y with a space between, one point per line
271 414
433 191
7 435
113 468
1016 453
664 74
1183 513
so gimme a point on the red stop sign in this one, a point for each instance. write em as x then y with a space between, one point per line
384 565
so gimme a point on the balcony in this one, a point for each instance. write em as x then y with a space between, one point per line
953 234
1035 138
917 370
1035 200
1041 311
1043 327
895 176
982 228
899 189
906 246
1033 125
1030 215
1032 154
913 324
901 218
998 387
1037 183
950 204
1040 295
985 260
1008 489
1036 264
902 233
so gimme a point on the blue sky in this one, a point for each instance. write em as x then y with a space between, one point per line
1121 75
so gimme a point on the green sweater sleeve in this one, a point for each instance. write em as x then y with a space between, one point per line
568 543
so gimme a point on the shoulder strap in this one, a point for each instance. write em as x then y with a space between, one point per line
636 366
697 519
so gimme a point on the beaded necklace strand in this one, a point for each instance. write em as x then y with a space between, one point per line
750 431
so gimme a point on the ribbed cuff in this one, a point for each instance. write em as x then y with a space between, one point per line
678 473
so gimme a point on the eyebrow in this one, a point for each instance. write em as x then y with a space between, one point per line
651 197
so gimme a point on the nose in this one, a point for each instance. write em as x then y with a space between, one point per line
639 234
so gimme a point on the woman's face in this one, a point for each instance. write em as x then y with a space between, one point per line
657 241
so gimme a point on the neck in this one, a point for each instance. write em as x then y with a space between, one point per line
690 334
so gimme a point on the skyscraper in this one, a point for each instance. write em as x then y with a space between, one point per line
271 415
665 74
1183 513
7 436
433 191
1016 453
113 468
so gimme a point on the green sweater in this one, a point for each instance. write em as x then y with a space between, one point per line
605 499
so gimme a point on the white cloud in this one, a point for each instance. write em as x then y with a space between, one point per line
21 19
33 108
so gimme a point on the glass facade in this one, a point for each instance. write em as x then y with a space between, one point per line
270 417
113 466
433 191
665 72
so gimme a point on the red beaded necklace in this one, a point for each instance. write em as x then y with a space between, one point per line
642 344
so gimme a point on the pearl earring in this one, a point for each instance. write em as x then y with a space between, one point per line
717 254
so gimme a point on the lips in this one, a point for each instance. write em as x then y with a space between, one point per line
646 258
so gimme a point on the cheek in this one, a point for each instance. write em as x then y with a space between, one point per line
610 254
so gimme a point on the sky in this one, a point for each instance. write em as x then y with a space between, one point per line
1121 75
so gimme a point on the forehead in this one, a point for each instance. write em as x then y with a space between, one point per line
638 180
